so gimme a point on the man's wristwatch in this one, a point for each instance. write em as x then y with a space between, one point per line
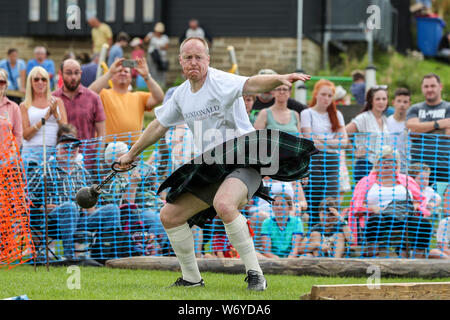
436 125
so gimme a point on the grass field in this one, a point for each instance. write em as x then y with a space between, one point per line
121 284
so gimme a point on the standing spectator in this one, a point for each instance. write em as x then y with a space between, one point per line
9 110
101 34
396 123
194 30
38 104
358 87
266 99
41 60
157 53
124 109
84 111
328 238
278 116
282 234
138 52
249 100
89 70
430 122
325 125
371 131
116 50
16 70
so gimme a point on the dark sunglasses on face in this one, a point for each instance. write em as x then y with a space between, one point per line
71 146
42 79
2 82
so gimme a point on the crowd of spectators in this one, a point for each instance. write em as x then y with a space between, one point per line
72 132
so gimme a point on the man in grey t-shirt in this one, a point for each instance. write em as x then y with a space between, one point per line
429 121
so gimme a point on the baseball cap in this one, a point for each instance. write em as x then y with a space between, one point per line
283 189
68 138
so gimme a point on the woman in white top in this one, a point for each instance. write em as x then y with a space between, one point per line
160 42
371 131
325 125
38 104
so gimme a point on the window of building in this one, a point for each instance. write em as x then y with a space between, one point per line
91 9
52 10
110 10
149 11
129 10
34 10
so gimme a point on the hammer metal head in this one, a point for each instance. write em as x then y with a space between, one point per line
87 197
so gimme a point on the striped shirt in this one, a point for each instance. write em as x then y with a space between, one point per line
62 186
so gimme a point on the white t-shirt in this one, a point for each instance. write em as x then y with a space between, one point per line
395 126
443 231
431 195
158 43
370 138
197 33
379 196
215 113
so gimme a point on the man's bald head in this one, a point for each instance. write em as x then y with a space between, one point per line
203 41
71 63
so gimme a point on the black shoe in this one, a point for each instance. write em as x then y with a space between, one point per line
183 283
256 281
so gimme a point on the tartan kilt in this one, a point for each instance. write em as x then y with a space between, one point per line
260 149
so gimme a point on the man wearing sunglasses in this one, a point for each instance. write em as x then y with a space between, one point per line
64 177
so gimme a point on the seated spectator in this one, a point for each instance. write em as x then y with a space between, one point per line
40 104
386 201
116 50
358 87
41 60
63 179
16 70
329 237
370 131
443 232
68 129
9 110
89 70
124 109
282 234
420 172
221 245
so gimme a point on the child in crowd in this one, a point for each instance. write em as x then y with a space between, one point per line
421 174
249 100
328 238
282 234
443 232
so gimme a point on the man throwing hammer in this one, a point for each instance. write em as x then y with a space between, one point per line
211 104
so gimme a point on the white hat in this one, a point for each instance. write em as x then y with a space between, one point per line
282 188
266 71
114 150
340 93
135 42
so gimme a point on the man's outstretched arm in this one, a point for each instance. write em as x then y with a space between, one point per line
265 82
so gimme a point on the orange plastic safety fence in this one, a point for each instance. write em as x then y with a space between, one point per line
16 245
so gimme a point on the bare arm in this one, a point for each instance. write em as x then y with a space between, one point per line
296 246
415 125
157 96
261 120
102 82
267 247
264 83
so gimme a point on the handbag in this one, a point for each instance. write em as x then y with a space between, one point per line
399 209
160 64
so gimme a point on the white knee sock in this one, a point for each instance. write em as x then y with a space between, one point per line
240 238
182 242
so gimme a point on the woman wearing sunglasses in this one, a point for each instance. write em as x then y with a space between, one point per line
38 104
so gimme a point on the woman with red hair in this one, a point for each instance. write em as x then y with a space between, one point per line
325 125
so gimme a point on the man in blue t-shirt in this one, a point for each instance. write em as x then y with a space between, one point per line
40 54
116 51
15 68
